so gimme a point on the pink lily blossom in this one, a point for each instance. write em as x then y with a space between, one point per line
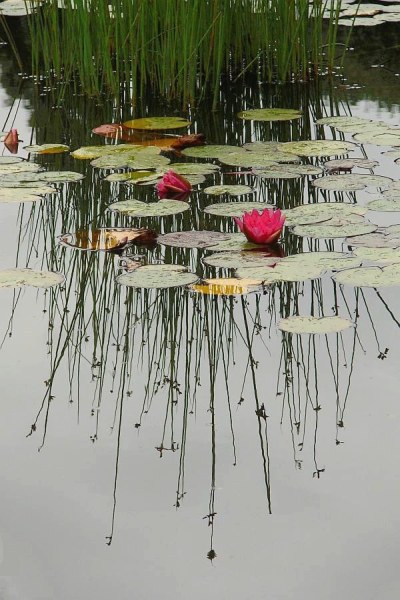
262 227
11 141
173 185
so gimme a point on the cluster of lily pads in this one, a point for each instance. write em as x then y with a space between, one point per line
374 261
355 13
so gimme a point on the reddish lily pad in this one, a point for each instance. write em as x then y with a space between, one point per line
107 239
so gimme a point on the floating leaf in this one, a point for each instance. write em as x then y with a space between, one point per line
92 152
59 176
346 120
163 208
211 151
235 209
21 277
194 168
19 167
385 138
227 287
300 324
276 173
384 204
319 212
261 146
296 169
350 163
379 255
107 239
10 160
47 148
238 260
129 176
157 123
370 276
157 276
317 147
235 242
381 238
351 182
270 114
335 228
232 190
192 239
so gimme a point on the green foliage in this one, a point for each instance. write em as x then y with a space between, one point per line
181 49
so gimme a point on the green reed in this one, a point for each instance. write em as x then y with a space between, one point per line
182 50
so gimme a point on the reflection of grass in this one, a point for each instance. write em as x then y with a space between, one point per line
181 49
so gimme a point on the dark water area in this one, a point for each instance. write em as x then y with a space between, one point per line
183 446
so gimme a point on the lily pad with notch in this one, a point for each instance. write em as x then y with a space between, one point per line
351 182
47 148
157 277
192 239
319 212
317 147
370 276
231 190
378 255
384 204
335 228
239 260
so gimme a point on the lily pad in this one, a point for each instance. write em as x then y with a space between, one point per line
163 208
319 212
232 190
59 176
19 167
92 152
192 239
384 138
384 204
47 148
344 120
312 325
227 286
157 123
270 114
318 147
157 277
381 238
350 163
298 169
351 182
129 176
370 276
211 151
235 242
22 277
238 260
235 209
276 173
379 255
335 228
194 168
10 160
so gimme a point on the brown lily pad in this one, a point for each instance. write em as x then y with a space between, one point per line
107 239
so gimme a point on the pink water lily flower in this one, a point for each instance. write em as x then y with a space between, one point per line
262 227
172 183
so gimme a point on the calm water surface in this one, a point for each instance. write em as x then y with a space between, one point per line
302 504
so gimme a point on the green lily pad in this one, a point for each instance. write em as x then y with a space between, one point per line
384 138
28 179
21 277
238 260
350 163
313 325
235 242
384 204
335 228
299 169
379 255
163 208
59 176
47 148
92 152
270 114
351 182
157 277
276 173
235 209
211 151
370 276
157 123
299 267
19 167
10 195
260 147
10 160
247 160
345 120
129 176
232 190
381 238
318 147
192 239
319 212
194 168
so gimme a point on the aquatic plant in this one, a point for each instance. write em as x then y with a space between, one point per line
261 227
181 49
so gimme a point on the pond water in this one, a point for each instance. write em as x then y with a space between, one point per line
162 442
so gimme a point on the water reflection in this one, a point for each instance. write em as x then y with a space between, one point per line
179 353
